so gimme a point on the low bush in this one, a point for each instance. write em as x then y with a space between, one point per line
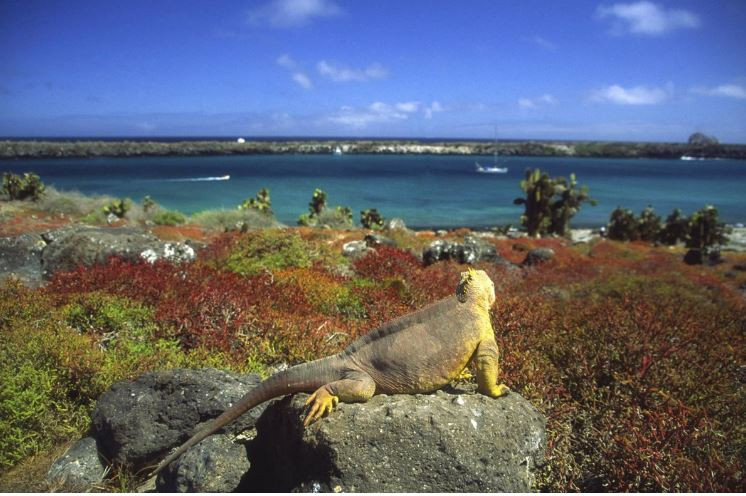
267 250
169 218
234 220
371 219
26 187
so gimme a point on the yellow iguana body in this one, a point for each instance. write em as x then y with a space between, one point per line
418 353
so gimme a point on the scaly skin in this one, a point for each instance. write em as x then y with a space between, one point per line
417 353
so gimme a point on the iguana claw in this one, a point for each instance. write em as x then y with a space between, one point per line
323 403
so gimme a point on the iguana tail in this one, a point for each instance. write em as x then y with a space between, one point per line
306 377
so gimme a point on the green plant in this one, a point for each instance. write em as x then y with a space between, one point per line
234 220
22 188
118 207
267 249
319 215
148 204
169 218
675 230
622 225
318 202
543 214
706 230
371 219
568 204
260 203
649 225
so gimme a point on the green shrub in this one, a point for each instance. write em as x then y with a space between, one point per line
234 220
622 225
261 203
550 203
26 187
706 230
148 204
169 218
371 219
118 207
267 249
675 230
319 215
649 225
110 316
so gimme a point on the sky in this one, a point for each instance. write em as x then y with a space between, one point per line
570 69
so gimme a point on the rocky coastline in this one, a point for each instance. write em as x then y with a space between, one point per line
20 149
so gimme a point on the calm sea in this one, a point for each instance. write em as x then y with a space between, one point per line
424 190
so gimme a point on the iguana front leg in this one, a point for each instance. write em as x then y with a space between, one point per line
357 386
488 368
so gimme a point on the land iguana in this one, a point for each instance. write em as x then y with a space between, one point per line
417 353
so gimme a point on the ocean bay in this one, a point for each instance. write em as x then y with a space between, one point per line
424 190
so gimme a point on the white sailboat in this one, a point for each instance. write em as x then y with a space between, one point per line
495 167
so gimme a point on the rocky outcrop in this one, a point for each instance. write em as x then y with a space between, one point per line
70 248
701 139
33 257
454 440
20 257
136 422
473 249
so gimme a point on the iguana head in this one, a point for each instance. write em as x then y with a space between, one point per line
476 286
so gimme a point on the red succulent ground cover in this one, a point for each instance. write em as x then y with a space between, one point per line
636 359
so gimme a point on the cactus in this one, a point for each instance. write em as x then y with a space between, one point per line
622 225
706 230
28 187
147 203
649 225
542 213
371 219
118 208
261 203
567 205
675 230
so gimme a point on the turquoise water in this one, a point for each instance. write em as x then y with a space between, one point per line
424 190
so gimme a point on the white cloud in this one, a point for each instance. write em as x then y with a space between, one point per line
637 95
286 61
380 112
542 42
292 13
646 18
433 108
345 74
729 90
532 103
302 80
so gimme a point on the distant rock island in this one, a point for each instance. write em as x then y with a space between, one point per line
699 145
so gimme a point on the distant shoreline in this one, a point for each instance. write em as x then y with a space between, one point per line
29 149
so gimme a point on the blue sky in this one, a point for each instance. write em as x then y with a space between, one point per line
602 70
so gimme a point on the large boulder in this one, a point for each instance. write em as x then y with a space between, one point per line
215 465
473 249
137 422
456 441
20 257
79 469
538 256
76 246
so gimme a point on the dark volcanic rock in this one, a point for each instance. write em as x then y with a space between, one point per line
373 240
136 422
474 249
442 442
215 465
538 256
20 257
76 246
78 469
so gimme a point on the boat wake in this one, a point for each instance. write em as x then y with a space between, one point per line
193 179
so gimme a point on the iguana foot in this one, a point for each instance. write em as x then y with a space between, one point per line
323 403
496 391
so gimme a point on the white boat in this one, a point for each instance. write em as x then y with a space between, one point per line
490 170
495 167
688 157
337 151
223 178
